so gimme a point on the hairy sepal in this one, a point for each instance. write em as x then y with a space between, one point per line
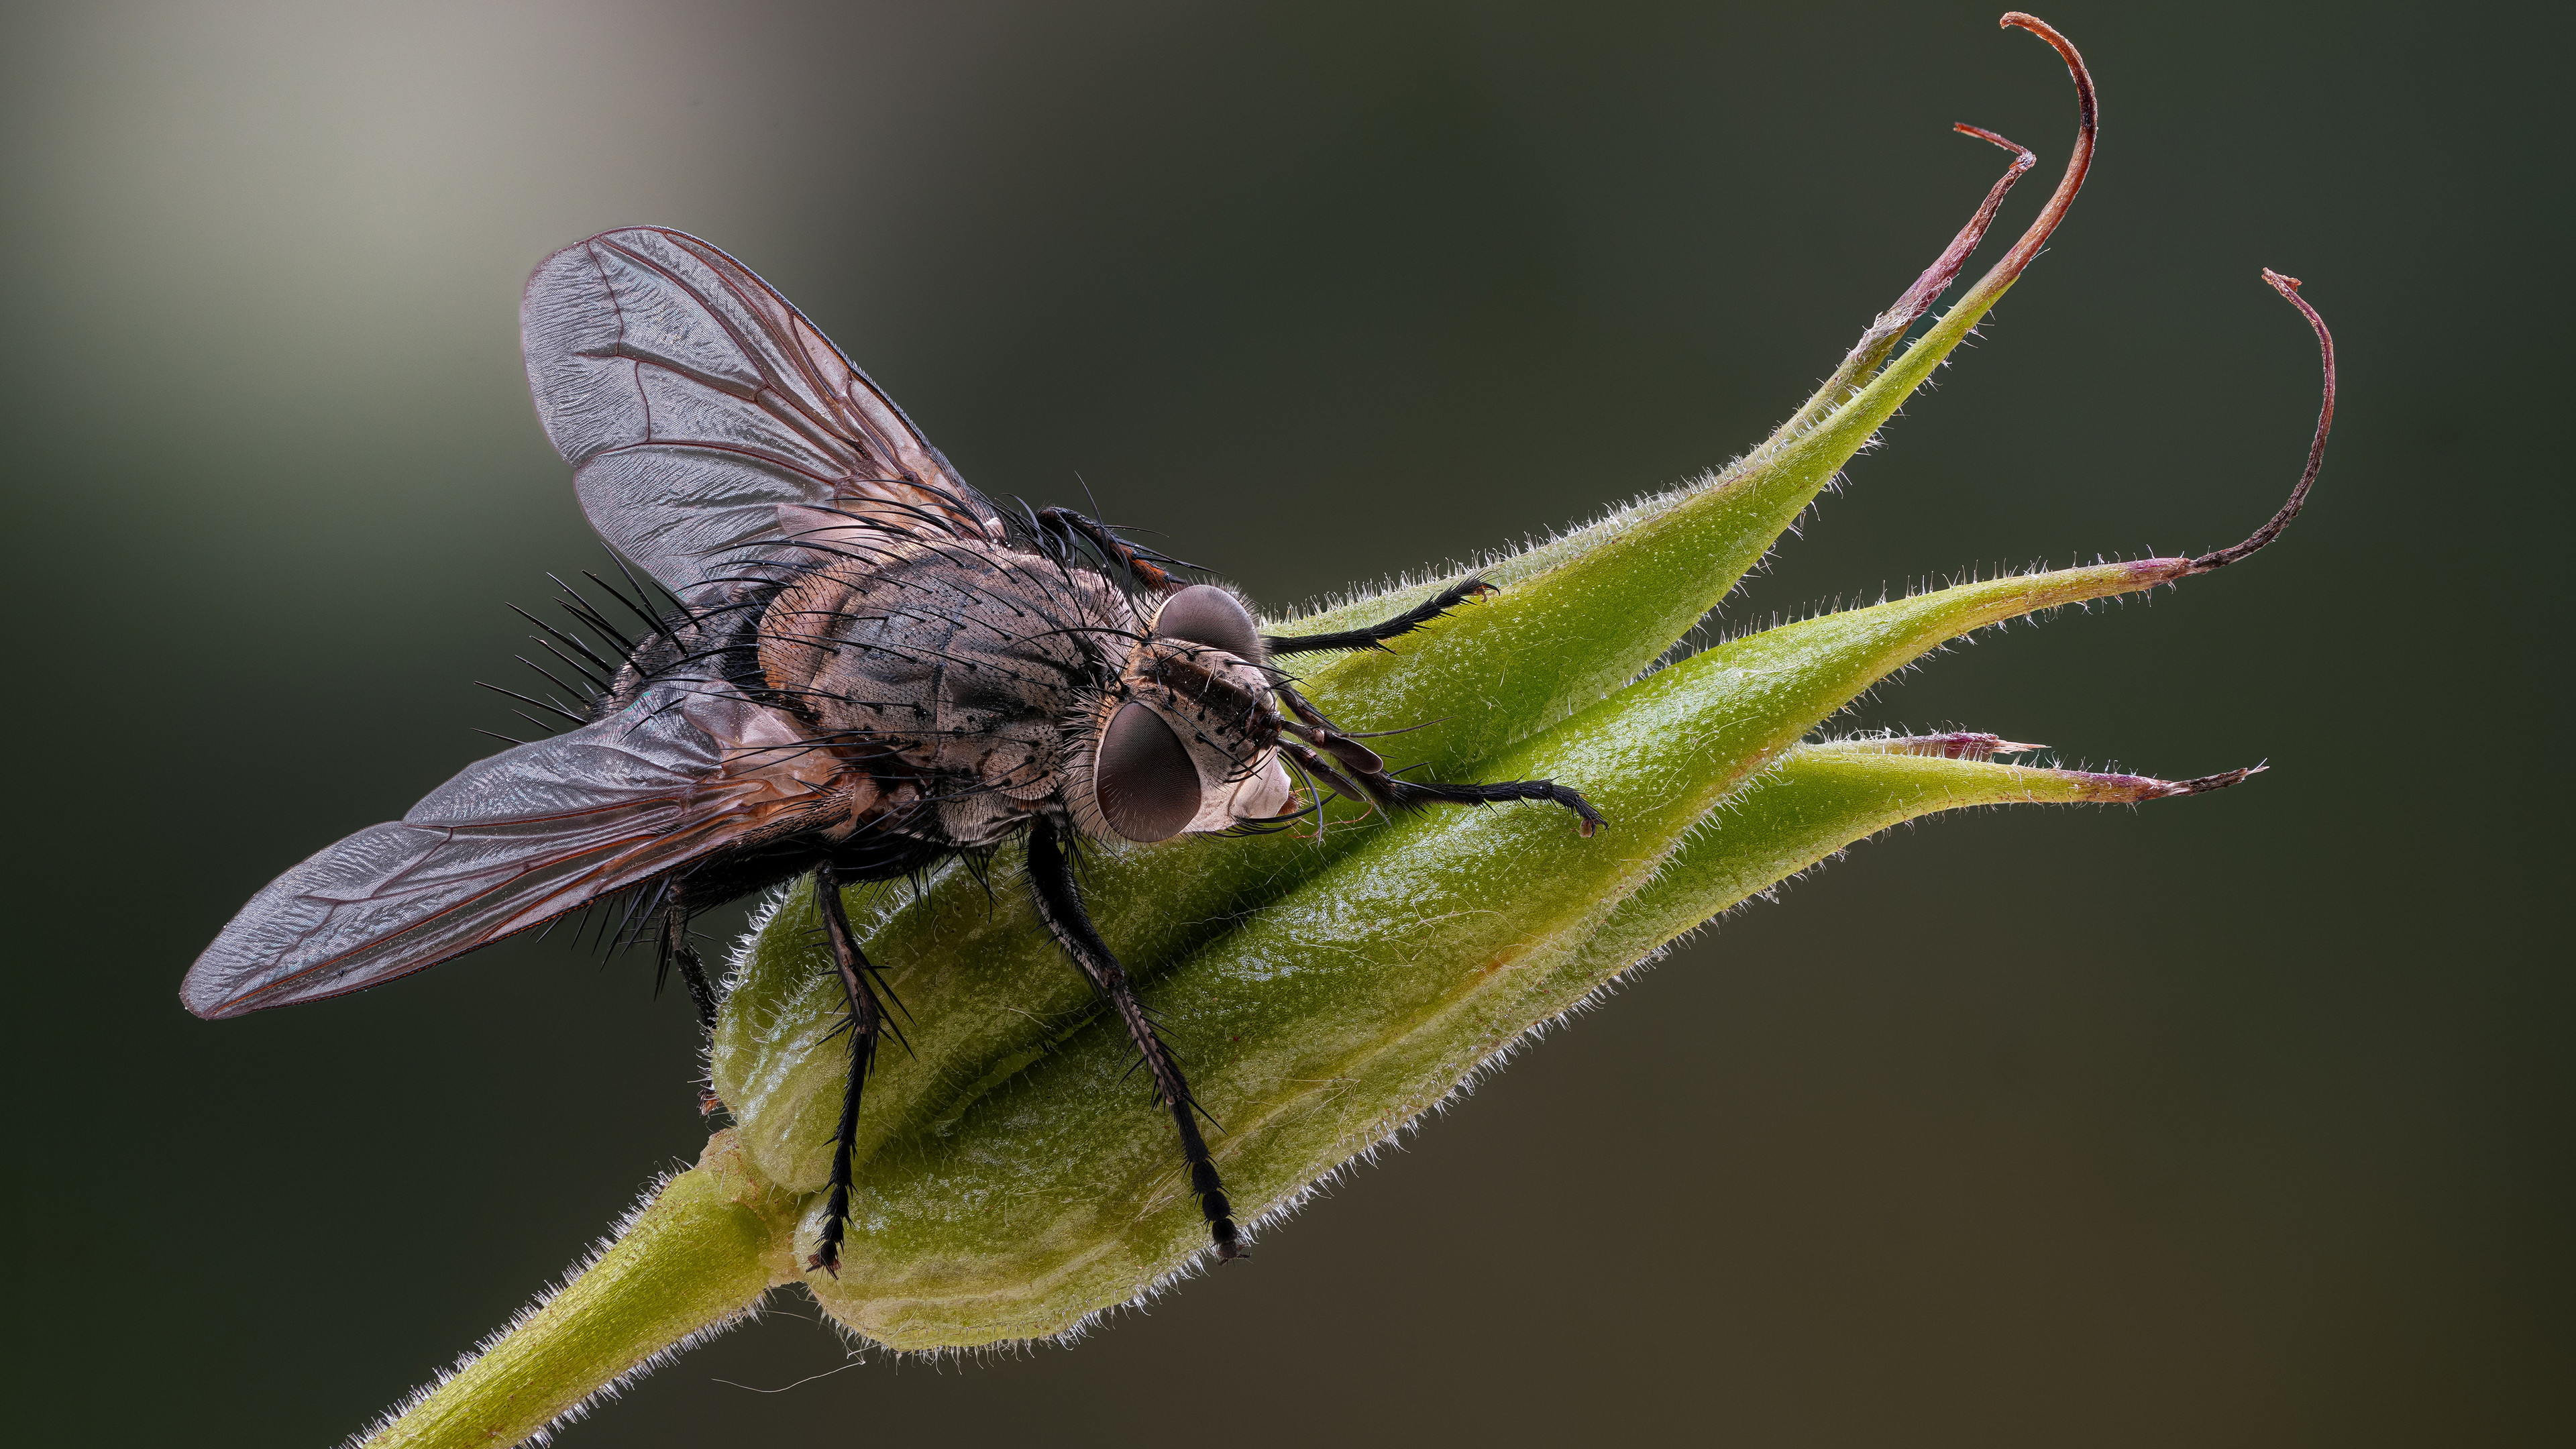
1323 1027
982 989
1369 950
1577 618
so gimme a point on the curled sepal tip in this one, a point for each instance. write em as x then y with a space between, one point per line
2088 126
1832 423
2288 287
1871 351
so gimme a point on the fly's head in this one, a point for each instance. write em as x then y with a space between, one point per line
1188 739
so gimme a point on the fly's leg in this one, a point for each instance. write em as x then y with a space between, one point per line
1060 906
1376 635
676 951
1405 794
1355 772
863 1024
1065 524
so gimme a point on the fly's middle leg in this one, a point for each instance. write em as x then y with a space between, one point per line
1065 525
864 1024
1060 907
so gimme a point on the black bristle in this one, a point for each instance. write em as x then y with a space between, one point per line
539 703
598 686
568 639
591 618
550 676
638 607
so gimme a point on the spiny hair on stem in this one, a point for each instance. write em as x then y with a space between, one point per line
615 1386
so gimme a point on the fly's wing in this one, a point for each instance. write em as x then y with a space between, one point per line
512 842
708 423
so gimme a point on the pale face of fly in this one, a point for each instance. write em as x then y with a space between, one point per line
1188 743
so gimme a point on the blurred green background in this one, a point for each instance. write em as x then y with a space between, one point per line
2235 1121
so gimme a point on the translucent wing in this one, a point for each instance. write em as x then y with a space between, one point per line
512 842
708 422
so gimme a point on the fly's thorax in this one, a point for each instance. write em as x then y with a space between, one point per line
1188 739
952 667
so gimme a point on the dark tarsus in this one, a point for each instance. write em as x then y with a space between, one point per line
1375 786
1375 636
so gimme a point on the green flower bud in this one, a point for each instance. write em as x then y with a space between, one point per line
1325 989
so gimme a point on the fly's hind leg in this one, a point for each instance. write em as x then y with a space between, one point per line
864 1024
1060 906
676 951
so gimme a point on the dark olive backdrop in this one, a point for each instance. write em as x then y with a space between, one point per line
2237 1121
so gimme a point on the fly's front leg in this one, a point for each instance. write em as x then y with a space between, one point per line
864 1023
1355 772
1060 906
1376 635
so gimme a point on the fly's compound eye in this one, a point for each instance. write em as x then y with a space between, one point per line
1147 787
1206 614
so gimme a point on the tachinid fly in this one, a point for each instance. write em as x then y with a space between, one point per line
863 666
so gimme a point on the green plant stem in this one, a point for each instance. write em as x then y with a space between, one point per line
699 1255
